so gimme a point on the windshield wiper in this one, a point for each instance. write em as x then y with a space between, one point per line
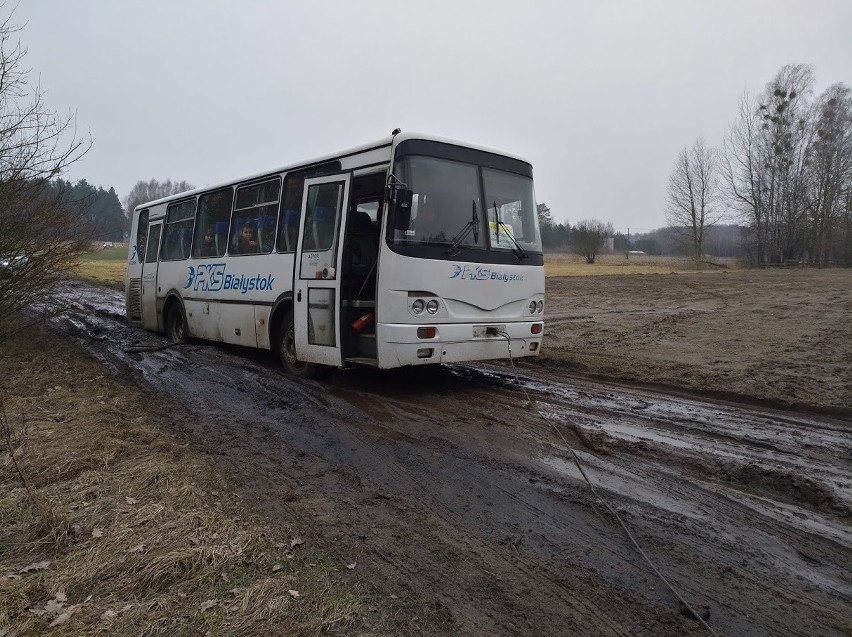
473 225
499 223
475 221
518 251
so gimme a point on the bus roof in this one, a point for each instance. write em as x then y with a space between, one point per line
386 141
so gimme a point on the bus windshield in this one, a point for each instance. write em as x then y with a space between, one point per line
449 209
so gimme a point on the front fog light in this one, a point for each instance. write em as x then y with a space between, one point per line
417 306
540 306
532 307
432 306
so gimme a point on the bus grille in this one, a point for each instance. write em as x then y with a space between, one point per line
134 300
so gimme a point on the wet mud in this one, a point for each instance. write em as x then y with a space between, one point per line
457 489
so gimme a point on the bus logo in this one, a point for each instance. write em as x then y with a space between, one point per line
482 273
472 273
211 277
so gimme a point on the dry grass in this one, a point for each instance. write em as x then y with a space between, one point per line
135 533
575 265
109 272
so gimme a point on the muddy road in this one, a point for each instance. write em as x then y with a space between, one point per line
457 489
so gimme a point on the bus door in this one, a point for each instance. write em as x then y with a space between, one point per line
316 289
149 276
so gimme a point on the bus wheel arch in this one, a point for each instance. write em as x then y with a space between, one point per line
174 319
282 307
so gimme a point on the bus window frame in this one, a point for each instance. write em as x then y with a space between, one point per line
232 229
167 224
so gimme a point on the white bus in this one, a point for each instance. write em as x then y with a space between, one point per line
413 250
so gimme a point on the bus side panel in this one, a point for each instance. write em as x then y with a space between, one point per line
229 299
204 319
236 324
261 322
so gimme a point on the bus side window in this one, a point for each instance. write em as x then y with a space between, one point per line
255 216
289 235
221 234
142 235
211 228
289 213
153 244
177 238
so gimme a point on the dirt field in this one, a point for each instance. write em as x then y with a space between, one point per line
783 336
710 411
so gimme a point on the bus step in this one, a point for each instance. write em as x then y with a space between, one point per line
360 360
367 345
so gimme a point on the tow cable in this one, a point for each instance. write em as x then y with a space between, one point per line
692 613
151 348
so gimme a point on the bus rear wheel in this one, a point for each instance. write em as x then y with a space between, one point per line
287 352
176 325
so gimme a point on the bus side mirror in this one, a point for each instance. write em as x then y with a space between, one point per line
400 205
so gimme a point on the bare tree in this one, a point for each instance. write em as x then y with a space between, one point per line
693 195
42 232
588 237
787 125
829 173
742 172
845 247
145 191
767 161
788 169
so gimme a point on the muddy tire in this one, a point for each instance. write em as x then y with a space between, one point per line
287 352
176 324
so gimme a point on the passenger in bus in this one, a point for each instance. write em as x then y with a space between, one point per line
247 242
208 243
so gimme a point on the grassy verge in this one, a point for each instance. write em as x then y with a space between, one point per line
125 531
106 266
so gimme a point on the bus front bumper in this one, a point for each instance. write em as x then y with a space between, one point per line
457 342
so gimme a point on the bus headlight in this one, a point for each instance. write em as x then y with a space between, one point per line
417 306
432 306
540 307
532 307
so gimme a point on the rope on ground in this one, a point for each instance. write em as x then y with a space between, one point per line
151 348
647 559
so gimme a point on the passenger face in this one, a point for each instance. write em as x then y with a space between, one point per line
248 233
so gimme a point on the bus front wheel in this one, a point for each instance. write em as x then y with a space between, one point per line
287 352
176 324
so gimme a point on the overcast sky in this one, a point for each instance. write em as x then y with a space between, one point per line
599 95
